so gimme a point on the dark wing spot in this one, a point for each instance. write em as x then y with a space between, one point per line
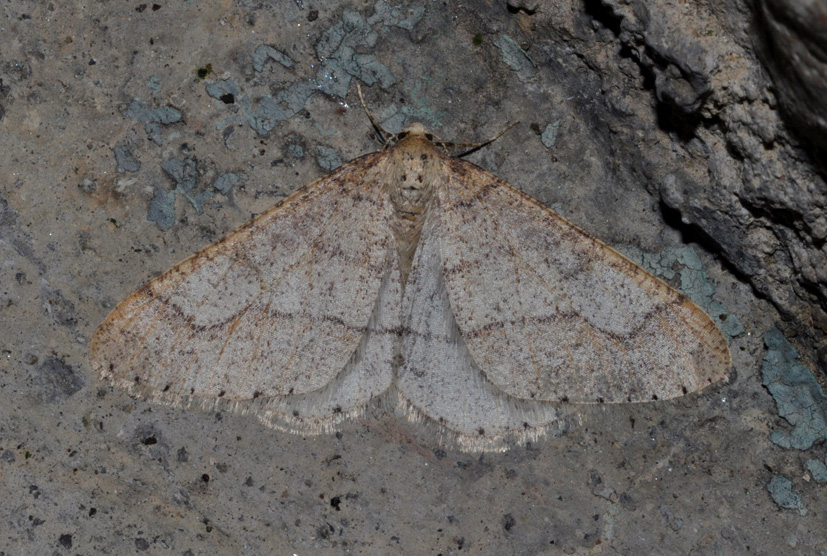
564 399
683 389
256 394
166 388
481 431
221 394
654 397
599 400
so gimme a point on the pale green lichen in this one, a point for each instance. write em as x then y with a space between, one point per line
549 135
797 394
781 490
515 57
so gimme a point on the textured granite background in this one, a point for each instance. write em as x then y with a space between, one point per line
688 134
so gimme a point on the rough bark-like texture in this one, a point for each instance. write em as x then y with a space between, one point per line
730 169
792 44
743 169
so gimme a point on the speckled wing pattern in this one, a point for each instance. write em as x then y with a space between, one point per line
412 280
285 308
551 313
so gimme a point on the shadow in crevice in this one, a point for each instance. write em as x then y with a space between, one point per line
693 234
604 15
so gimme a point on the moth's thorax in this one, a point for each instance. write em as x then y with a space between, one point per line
413 171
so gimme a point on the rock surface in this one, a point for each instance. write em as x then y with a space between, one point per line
132 134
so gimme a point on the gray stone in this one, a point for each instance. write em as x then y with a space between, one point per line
794 50
674 138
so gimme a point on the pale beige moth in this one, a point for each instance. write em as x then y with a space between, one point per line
410 280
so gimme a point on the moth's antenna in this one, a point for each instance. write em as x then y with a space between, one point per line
474 146
383 135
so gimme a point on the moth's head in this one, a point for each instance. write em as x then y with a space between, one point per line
417 134
416 129
414 133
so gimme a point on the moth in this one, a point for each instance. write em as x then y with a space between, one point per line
409 280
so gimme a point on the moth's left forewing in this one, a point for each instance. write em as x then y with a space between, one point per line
293 316
550 313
